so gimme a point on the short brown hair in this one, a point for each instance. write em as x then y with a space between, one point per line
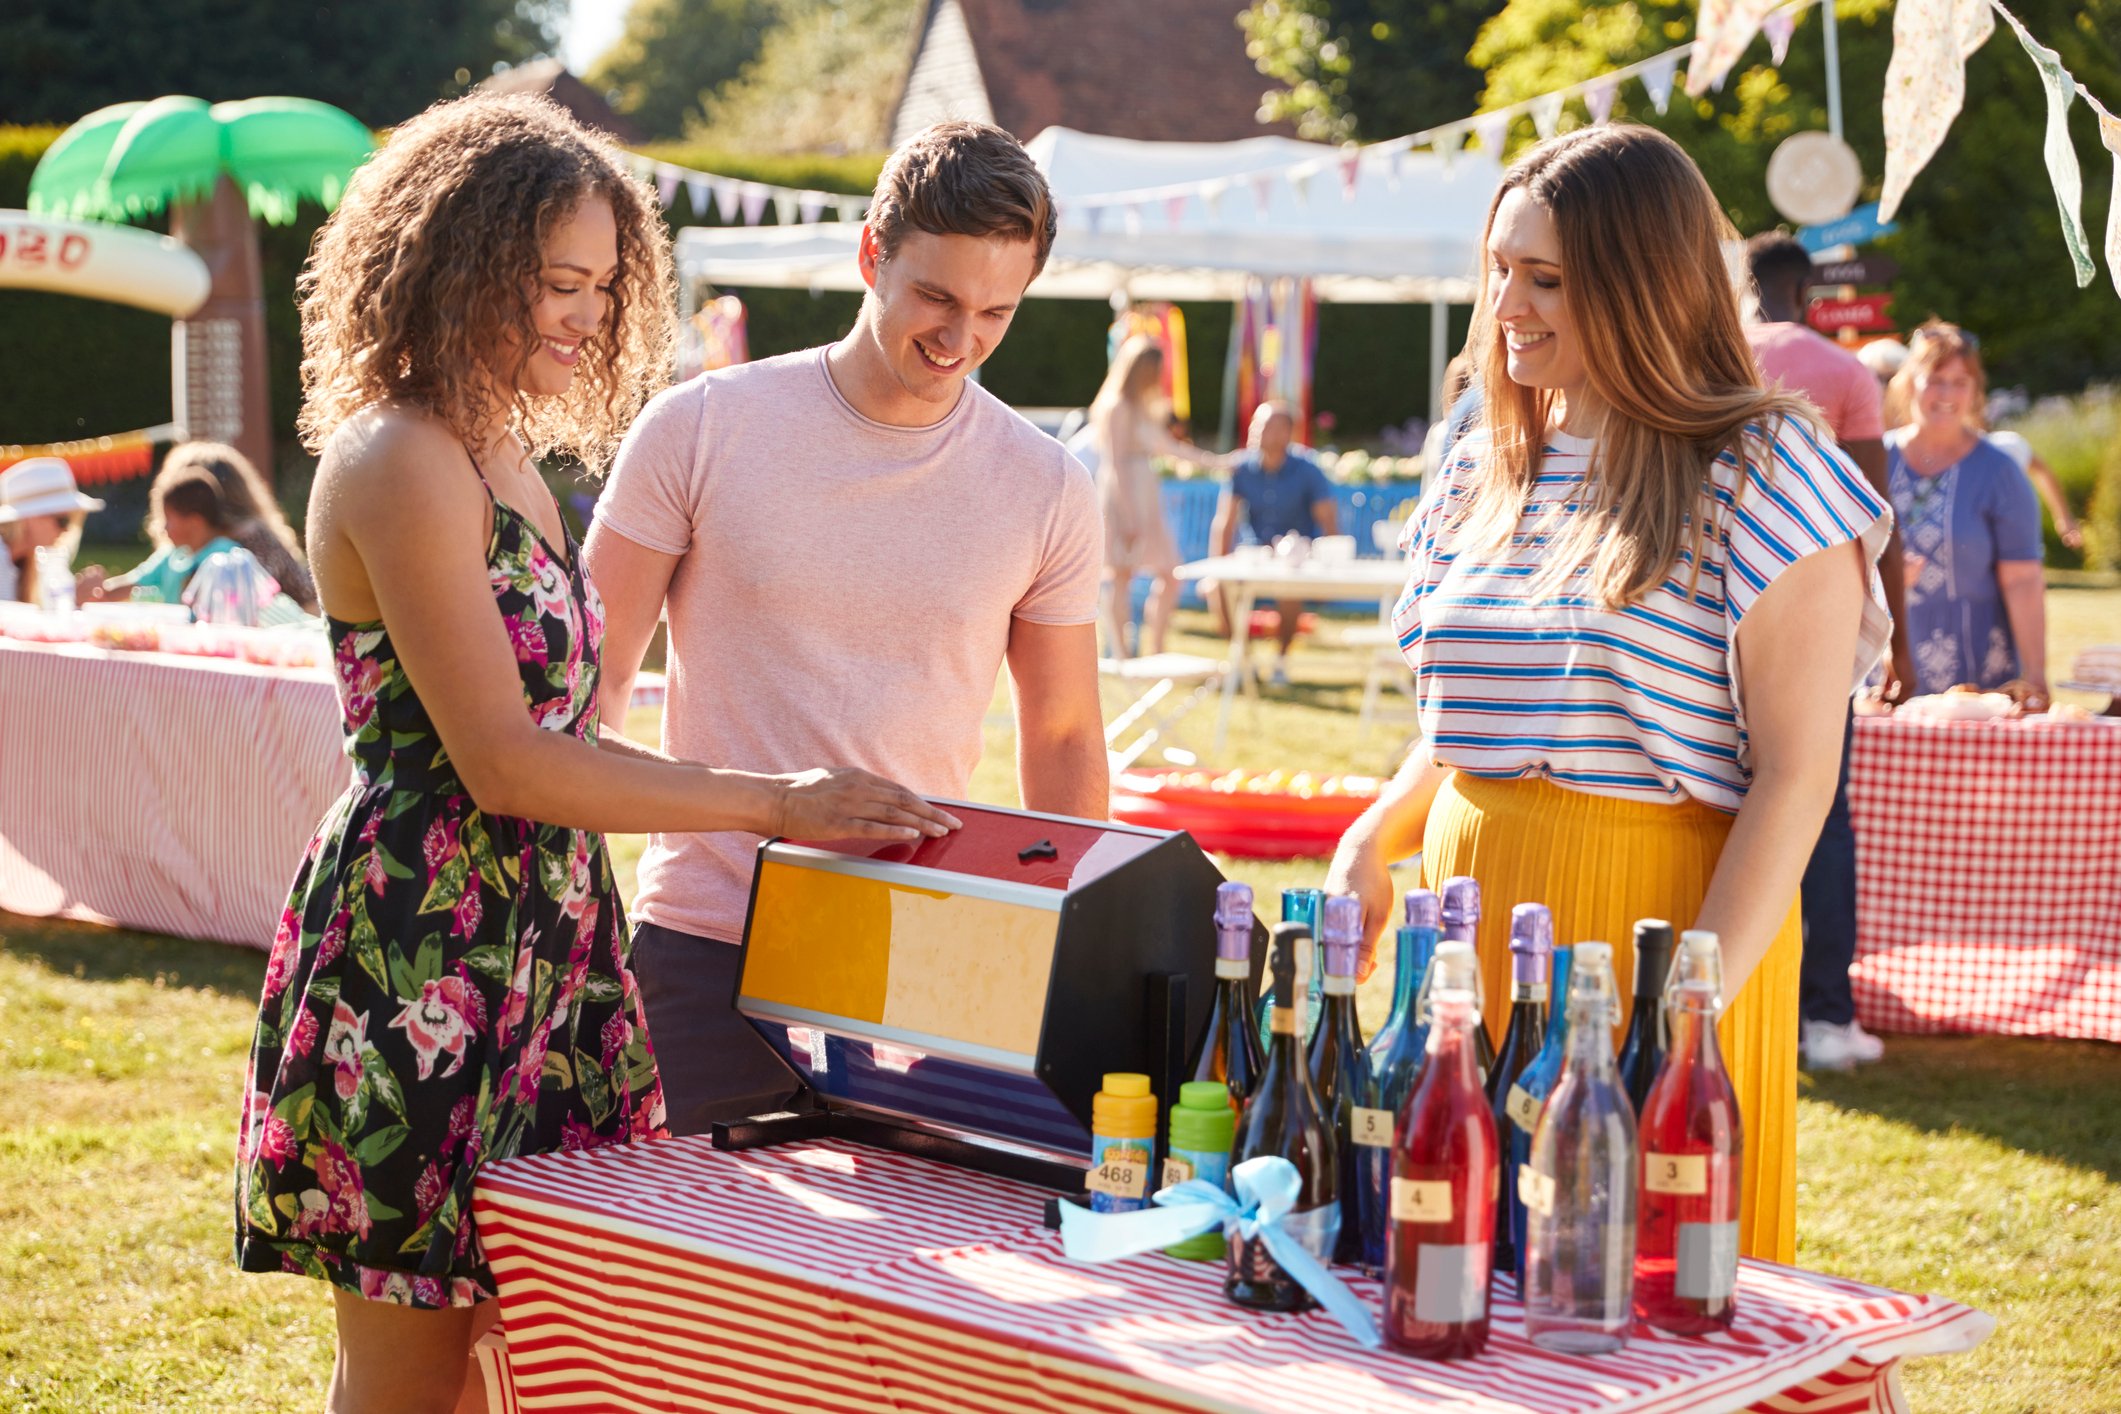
963 179
1934 344
190 491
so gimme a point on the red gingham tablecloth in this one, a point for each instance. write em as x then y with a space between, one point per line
173 794
825 1275
1988 876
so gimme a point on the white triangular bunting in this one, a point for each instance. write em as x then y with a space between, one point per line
1599 99
1546 114
1657 79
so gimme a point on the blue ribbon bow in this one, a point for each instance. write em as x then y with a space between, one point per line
1267 1189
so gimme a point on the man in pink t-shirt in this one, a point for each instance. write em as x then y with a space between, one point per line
1846 392
851 542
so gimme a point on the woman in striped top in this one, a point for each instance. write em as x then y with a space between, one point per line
1641 593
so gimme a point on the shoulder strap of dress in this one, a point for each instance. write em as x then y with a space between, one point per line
480 472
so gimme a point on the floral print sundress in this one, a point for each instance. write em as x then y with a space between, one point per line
446 987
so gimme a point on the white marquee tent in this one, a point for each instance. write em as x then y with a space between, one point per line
1409 235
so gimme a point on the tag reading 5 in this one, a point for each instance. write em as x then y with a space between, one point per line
1372 1129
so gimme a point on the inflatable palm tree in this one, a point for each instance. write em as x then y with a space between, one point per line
215 169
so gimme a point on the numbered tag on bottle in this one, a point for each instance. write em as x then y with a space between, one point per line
1421 1200
1176 1171
1682 1175
1535 1190
1371 1129
1523 1108
1122 1173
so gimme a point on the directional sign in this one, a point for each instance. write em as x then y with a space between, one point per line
1859 227
1869 312
1869 270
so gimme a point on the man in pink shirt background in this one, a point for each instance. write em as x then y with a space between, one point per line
851 542
1791 354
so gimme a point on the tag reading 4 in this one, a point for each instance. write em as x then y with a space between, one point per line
1417 1200
1372 1129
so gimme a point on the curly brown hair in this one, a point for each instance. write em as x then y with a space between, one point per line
416 283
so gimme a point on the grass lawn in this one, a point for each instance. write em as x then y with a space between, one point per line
1985 1170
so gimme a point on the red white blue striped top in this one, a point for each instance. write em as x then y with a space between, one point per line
1641 702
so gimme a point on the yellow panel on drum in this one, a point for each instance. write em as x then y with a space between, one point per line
970 969
821 941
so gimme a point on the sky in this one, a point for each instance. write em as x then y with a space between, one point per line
591 27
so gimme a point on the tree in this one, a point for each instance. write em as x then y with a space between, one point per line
825 79
381 60
1366 69
1980 240
674 54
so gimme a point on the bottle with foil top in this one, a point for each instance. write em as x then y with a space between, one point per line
1439 1258
1122 1144
1229 1050
1529 1095
1642 1051
1395 1063
1686 1264
1459 916
1340 1067
1284 1119
1578 1187
1531 957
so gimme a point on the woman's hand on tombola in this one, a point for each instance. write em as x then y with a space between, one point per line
1359 868
848 803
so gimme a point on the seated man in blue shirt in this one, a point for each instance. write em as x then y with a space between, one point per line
1276 490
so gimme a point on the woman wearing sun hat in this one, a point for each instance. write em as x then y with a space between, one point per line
39 506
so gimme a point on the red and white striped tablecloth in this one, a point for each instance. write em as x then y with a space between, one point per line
667 1276
172 794
1988 876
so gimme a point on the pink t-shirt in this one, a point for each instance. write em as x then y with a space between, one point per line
1832 377
845 589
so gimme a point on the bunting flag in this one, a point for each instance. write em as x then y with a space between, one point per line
1599 99
1446 144
2061 153
729 201
1395 160
1722 30
1300 179
854 210
1925 84
666 184
1262 192
754 203
1095 215
1131 217
784 208
2110 134
1546 114
1778 27
1211 197
1174 211
1657 78
1350 172
696 193
98 461
810 207
1492 130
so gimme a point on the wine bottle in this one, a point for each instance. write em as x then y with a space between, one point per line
1686 1264
1395 1063
1460 916
1578 1186
1438 1261
1229 1049
1416 940
1642 1051
1531 956
1285 1119
1301 906
1340 1067
1530 1093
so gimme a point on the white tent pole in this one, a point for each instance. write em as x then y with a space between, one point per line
1439 325
1226 425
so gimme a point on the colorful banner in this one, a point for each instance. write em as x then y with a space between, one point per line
1722 30
98 461
1164 325
1277 331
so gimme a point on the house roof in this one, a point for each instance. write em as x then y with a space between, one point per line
1156 70
551 78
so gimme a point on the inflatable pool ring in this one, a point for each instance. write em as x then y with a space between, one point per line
1252 815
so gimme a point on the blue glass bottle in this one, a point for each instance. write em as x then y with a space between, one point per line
1531 1091
1301 906
1395 1065
1580 1186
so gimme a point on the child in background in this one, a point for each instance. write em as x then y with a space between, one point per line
188 520
254 518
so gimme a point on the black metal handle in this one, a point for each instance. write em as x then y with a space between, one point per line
1042 850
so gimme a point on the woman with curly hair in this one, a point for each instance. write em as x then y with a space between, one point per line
450 981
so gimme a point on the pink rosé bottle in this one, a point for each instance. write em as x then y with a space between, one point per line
1686 1262
1440 1251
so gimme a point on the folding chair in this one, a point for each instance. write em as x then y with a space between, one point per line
1154 694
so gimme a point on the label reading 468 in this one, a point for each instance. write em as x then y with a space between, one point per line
1120 1178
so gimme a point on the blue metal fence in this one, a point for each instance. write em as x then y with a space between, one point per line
1189 507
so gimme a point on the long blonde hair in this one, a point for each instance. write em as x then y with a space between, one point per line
1646 286
1124 376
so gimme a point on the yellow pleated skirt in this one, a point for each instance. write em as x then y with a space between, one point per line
1601 863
